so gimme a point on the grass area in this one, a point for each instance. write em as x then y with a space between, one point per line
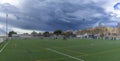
61 50
2 44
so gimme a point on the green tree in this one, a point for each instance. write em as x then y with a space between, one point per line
11 33
34 33
46 34
58 32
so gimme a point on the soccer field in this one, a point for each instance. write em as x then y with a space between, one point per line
60 50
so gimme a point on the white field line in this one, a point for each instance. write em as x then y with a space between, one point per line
4 47
52 50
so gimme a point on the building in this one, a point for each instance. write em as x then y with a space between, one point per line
21 36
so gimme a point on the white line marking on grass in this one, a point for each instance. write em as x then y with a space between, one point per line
4 47
52 50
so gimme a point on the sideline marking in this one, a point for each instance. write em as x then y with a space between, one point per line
4 47
52 50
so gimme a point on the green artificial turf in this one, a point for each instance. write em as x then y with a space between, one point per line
37 50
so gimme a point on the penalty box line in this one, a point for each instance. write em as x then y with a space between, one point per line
4 47
55 51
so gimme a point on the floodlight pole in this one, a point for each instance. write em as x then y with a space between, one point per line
6 25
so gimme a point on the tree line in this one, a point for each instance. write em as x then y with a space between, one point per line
46 34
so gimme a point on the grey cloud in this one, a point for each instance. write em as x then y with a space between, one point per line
49 15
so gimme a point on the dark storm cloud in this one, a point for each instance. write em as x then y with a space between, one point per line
8 8
49 15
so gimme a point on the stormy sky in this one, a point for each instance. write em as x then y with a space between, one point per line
50 15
